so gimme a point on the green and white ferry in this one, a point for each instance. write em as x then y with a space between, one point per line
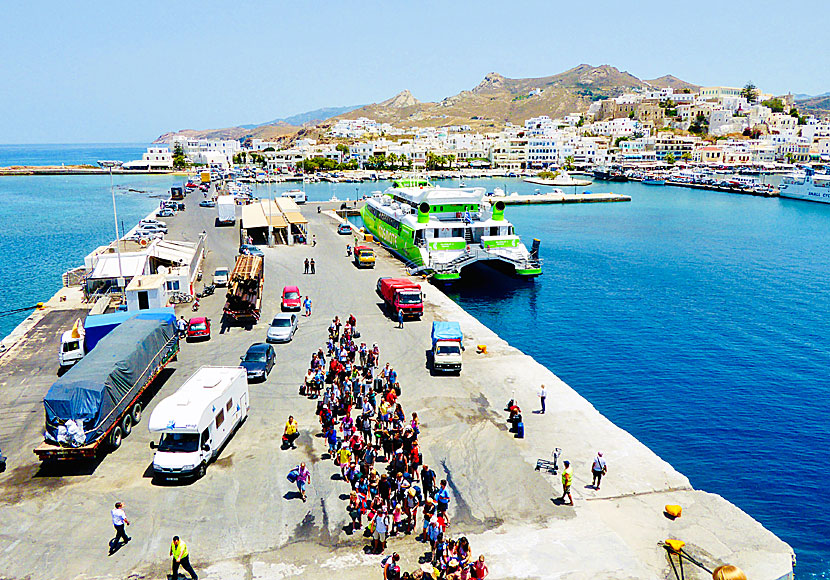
438 231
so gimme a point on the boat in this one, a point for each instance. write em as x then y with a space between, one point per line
438 231
298 195
807 185
652 181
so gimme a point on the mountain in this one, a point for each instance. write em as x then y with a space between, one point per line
803 97
497 99
818 105
276 129
488 106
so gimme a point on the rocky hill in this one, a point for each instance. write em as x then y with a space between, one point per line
496 100
818 105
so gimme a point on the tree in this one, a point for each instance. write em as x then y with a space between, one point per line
569 162
670 158
179 160
700 125
686 156
790 158
581 121
776 105
344 149
750 92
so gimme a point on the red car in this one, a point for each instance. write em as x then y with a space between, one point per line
198 328
291 299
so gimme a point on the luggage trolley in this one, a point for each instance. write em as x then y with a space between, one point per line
551 467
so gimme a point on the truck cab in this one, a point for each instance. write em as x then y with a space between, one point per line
364 257
197 421
72 346
446 347
402 294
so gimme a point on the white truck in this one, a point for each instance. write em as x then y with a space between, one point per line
446 347
197 421
225 210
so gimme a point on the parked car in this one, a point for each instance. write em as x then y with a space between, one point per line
198 328
221 276
251 249
258 361
165 212
207 203
282 328
291 299
152 228
152 222
344 229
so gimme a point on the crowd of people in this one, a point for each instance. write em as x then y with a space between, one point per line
375 445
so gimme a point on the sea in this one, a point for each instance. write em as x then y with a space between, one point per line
695 320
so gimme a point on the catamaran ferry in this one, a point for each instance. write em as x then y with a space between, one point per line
438 231
806 185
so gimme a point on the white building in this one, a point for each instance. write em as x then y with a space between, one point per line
155 158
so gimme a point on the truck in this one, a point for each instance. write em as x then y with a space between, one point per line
177 193
84 335
225 210
446 347
364 257
401 294
244 296
93 406
196 422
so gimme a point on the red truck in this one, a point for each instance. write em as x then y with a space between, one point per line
401 294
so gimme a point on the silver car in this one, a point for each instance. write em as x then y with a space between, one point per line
283 327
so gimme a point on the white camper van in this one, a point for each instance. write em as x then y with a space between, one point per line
197 420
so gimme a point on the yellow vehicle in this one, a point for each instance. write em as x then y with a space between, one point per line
364 257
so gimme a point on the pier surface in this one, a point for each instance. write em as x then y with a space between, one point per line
242 521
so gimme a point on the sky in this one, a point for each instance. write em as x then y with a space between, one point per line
75 72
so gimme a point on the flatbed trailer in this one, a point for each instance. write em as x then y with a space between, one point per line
245 286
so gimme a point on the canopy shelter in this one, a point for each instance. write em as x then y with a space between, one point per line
298 226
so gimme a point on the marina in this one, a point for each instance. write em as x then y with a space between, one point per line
464 431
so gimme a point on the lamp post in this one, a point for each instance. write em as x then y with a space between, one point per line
110 165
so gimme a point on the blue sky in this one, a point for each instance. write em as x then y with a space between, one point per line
127 72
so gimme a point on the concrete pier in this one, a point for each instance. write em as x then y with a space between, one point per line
242 521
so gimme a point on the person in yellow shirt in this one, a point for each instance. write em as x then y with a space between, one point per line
567 480
291 433
178 549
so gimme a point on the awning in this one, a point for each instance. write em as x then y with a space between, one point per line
295 217
252 217
107 266
286 204
277 220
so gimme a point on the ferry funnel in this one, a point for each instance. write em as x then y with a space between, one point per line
498 211
423 213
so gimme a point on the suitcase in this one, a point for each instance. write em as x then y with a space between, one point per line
520 430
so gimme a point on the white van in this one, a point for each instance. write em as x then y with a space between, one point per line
197 420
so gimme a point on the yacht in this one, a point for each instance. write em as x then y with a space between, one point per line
298 195
438 231
807 185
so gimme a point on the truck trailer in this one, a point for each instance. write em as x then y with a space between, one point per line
446 347
95 404
244 296
225 210
401 294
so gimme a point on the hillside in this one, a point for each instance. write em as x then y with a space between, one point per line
818 106
497 100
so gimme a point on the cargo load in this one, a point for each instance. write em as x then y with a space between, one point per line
446 347
401 294
98 399
244 296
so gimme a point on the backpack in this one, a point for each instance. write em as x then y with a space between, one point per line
293 475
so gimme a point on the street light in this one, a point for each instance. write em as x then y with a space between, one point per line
110 165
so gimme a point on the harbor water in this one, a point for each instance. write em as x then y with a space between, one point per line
695 320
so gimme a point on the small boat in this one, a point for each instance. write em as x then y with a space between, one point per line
654 181
298 195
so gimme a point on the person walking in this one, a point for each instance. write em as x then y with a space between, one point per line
381 529
442 498
313 240
598 469
291 433
119 520
307 306
311 263
479 569
306 266
181 326
181 557
567 480
400 318
303 479
543 394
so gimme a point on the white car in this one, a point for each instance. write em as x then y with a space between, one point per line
282 328
150 222
152 228
139 235
221 276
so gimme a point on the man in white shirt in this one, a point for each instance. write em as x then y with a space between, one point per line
542 396
598 469
119 519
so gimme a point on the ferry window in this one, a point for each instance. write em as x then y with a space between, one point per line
494 230
458 232
229 405
220 418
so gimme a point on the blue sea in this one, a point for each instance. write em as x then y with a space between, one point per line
69 154
695 320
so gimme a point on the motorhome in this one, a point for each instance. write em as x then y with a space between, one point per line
197 421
